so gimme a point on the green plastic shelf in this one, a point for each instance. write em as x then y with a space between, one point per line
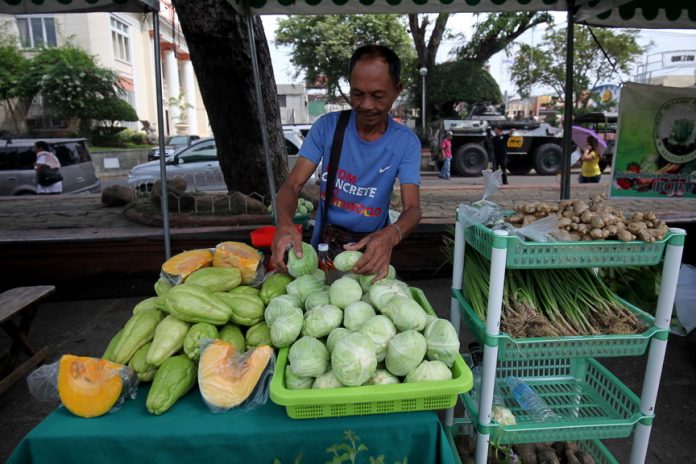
591 403
593 253
371 399
596 346
594 448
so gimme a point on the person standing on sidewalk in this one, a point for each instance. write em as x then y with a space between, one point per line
500 141
590 172
446 150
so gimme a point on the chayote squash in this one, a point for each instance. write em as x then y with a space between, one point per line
109 352
139 330
196 333
216 279
245 289
162 286
193 303
245 310
173 380
145 370
258 335
274 286
168 339
146 305
233 334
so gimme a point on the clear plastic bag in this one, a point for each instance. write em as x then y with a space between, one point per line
541 230
484 211
43 382
222 374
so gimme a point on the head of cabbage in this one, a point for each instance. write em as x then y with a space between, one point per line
335 335
319 322
405 352
327 380
405 313
442 340
353 359
382 291
345 260
429 371
294 382
380 330
382 377
308 357
287 327
316 299
355 315
344 291
306 265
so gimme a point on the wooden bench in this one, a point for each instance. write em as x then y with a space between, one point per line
23 303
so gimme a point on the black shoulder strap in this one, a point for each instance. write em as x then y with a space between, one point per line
336 146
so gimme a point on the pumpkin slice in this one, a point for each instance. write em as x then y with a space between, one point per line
226 378
88 387
179 266
239 256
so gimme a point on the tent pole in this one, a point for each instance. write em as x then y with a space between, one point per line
261 112
160 126
568 104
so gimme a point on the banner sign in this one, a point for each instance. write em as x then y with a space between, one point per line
656 144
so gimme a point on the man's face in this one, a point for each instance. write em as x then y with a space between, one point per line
372 90
498 131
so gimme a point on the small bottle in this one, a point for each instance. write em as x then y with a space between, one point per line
325 261
530 401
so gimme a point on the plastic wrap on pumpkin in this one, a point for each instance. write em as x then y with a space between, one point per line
229 379
87 387
240 256
177 268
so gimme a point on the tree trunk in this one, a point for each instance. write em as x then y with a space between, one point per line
218 42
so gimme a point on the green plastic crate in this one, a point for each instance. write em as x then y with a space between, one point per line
372 399
593 253
594 448
596 346
590 401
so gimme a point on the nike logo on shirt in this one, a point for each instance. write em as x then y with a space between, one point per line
381 170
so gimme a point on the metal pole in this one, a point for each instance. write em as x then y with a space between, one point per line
259 107
423 119
568 105
160 124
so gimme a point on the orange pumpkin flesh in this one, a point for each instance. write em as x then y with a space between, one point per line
88 387
181 265
224 379
239 256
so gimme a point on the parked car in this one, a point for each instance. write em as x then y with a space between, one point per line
198 164
172 144
17 175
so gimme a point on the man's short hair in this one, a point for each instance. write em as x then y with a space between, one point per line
372 51
41 145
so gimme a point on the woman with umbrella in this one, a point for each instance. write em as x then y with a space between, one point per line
590 172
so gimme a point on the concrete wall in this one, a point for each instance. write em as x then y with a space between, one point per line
118 162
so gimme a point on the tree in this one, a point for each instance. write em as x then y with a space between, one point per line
218 43
323 45
545 64
460 81
111 110
13 96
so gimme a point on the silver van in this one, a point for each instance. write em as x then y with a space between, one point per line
17 175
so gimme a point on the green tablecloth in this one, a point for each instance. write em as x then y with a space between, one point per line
190 433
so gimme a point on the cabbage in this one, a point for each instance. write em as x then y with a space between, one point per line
302 266
355 315
380 330
381 291
405 352
308 357
294 382
316 299
405 313
353 360
327 380
442 341
344 291
345 260
320 275
320 321
304 286
366 280
287 327
280 305
382 377
335 335
429 371
366 299
429 318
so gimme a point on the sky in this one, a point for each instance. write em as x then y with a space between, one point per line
662 40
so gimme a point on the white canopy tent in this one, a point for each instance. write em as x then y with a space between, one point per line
18 7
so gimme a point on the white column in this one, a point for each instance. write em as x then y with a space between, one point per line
190 90
172 74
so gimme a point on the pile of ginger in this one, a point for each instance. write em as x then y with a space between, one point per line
593 220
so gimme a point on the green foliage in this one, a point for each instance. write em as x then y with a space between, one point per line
12 88
323 45
110 110
545 64
460 81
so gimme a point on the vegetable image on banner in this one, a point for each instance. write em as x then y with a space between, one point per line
656 145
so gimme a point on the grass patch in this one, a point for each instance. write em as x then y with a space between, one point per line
130 146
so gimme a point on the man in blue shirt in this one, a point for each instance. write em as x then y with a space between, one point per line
375 151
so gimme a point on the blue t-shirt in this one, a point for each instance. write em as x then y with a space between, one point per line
366 172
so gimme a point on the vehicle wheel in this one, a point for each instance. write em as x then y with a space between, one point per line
547 159
518 166
470 160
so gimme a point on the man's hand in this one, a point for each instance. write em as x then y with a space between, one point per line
286 238
377 249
